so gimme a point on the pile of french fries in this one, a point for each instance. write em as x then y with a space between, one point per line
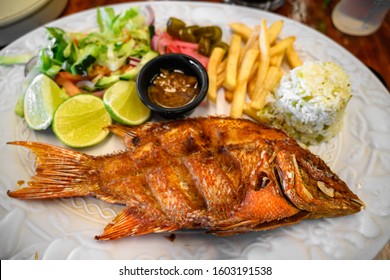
252 67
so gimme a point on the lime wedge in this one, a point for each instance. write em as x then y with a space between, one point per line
41 99
81 121
123 104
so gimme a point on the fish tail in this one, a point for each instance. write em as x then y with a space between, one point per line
60 172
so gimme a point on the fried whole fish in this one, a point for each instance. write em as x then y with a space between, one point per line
221 174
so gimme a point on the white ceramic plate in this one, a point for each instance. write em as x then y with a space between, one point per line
64 228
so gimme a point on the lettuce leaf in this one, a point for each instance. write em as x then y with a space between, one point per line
119 37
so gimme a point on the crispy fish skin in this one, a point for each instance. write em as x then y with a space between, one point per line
222 174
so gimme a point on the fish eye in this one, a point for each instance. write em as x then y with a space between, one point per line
262 181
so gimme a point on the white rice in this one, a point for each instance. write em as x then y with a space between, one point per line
310 101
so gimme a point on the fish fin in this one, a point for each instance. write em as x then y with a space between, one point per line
246 226
127 134
301 215
131 135
130 224
60 172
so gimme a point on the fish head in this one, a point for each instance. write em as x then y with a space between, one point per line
311 186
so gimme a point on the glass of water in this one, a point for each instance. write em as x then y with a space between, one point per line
359 17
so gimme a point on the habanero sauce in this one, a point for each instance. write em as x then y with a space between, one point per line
173 88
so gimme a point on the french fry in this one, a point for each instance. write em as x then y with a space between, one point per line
251 43
252 75
274 75
282 45
232 62
257 71
212 71
248 110
222 67
238 102
274 31
221 73
292 57
229 96
277 59
264 58
241 29
221 78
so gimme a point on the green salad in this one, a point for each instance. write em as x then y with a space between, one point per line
114 51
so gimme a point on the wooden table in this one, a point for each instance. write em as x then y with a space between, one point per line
372 50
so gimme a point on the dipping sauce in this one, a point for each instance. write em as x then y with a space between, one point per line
173 89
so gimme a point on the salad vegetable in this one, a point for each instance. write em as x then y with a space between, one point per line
121 39
163 43
15 59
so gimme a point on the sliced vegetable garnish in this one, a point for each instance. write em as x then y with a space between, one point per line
165 43
42 98
15 59
81 121
123 104
207 37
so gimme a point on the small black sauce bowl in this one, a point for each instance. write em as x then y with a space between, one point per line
185 63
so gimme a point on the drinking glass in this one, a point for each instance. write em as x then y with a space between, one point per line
359 17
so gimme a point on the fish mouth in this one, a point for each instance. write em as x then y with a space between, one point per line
306 192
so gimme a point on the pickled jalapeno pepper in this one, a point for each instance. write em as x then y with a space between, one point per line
207 37
174 25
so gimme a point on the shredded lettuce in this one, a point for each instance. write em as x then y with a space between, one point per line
15 59
119 37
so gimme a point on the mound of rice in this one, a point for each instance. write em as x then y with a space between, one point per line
310 102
